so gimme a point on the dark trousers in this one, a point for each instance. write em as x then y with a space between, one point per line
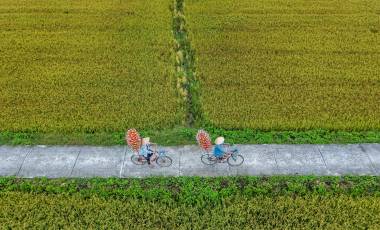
148 157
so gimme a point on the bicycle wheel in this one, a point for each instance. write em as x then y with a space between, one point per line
138 160
208 159
164 161
235 160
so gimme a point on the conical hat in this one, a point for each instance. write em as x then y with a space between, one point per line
146 140
219 140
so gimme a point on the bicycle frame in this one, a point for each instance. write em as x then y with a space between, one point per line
233 151
161 153
156 151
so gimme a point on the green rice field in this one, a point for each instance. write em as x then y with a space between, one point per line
273 71
86 66
288 64
191 203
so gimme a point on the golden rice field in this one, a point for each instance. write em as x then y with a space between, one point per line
288 64
76 65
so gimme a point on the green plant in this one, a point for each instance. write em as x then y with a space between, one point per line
192 202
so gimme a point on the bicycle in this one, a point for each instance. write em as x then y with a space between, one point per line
232 157
134 142
159 156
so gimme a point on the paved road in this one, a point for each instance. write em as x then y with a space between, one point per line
89 161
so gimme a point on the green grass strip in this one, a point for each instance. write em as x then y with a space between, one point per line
181 136
198 190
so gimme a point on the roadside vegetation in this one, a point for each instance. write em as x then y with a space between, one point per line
186 136
192 202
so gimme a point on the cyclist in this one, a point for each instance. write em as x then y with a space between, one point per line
146 150
219 149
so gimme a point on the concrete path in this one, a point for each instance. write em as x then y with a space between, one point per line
89 161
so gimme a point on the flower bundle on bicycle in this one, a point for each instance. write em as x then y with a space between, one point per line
145 151
221 152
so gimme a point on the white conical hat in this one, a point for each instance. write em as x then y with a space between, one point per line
219 140
145 140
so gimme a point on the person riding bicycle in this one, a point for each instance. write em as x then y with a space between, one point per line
219 149
145 149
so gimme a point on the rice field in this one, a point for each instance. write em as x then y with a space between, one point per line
72 69
288 64
86 66
291 202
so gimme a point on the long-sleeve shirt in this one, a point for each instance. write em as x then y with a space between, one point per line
145 150
219 150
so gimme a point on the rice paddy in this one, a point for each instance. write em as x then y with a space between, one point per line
255 70
288 64
80 66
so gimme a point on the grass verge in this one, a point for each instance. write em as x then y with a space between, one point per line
197 190
192 202
183 136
